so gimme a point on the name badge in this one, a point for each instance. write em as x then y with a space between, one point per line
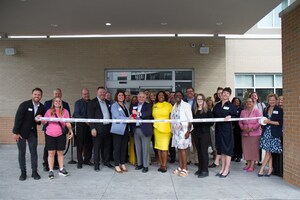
275 112
30 109
135 108
226 108
120 109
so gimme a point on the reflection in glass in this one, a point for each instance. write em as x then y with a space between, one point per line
183 75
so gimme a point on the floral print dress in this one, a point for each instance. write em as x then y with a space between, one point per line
178 139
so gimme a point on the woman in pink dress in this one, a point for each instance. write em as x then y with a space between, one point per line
251 133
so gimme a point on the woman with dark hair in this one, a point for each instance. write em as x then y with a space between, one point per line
120 132
224 141
202 132
272 131
238 152
181 132
162 130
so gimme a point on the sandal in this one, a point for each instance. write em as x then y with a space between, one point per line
183 173
177 171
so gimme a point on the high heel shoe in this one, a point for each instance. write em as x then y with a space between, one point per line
260 175
224 176
269 174
118 170
124 169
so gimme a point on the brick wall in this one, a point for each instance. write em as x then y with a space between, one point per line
72 64
291 93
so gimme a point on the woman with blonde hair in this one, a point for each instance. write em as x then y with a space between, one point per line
55 136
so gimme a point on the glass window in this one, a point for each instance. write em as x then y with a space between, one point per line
278 81
182 86
160 75
267 21
244 80
243 94
279 91
183 75
263 93
264 81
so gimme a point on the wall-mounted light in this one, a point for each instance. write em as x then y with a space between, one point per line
10 51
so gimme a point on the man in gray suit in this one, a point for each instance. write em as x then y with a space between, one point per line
142 132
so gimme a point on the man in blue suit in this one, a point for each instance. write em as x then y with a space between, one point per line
142 132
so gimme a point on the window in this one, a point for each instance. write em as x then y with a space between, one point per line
272 20
263 84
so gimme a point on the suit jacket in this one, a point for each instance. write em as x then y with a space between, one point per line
24 120
277 116
95 112
80 109
146 111
118 113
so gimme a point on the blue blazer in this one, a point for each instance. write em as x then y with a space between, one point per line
147 128
118 113
277 116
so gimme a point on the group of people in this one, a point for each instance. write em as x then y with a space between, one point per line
106 142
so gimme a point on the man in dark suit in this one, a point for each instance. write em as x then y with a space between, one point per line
99 108
142 132
84 137
56 93
25 130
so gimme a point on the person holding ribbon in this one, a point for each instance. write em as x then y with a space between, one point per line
272 131
162 130
224 139
251 133
55 138
182 132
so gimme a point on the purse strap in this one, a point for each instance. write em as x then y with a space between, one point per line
59 122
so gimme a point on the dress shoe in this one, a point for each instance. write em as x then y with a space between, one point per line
88 163
246 168
213 165
203 174
145 170
123 168
35 175
45 168
269 173
108 165
162 170
249 170
197 172
159 169
97 168
224 176
79 166
218 174
118 170
138 167
23 176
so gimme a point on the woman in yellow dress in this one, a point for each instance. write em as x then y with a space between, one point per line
162 130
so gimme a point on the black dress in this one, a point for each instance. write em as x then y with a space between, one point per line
237 135
224 138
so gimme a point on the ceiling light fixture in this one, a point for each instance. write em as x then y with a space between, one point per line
219 23
54 25
163 23
107 24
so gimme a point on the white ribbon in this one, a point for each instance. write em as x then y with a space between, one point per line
84 120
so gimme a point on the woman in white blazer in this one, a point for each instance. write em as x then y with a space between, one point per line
120 132
181 131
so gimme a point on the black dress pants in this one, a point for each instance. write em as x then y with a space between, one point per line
32 143
84 143
102 144
120 147
203 141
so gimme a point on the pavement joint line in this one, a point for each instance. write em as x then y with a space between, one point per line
107 186
170 174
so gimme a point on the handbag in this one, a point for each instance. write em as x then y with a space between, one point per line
64 130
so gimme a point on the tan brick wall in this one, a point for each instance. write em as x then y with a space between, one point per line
291 92
75 63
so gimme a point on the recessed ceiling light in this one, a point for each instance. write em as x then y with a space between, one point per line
23 0
219 23
54 25
107 24
163 23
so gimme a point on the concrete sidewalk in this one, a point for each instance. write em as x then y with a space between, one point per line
85 183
